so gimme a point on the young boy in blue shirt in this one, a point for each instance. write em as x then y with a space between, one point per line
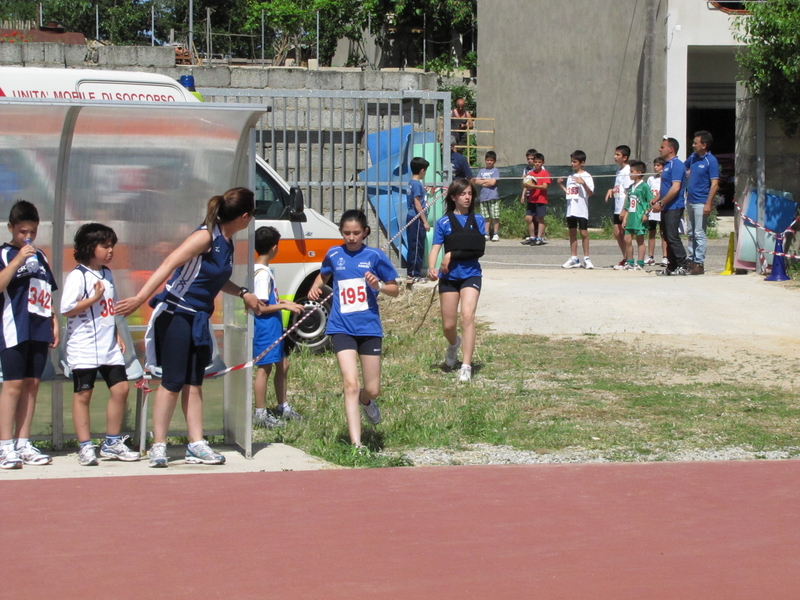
268 328
28 331
416 227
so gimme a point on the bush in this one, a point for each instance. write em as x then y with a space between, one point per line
513 225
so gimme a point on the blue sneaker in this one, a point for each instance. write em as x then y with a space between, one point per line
202 454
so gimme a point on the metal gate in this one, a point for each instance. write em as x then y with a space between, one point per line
350 149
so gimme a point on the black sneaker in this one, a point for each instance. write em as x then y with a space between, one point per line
527 242
538 242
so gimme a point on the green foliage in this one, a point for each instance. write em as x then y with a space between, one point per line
771 61
443 65
470 60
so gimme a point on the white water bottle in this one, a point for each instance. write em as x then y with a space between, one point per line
32 262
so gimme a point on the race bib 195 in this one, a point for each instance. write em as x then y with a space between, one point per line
353 295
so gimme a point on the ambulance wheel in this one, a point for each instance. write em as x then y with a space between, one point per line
311 332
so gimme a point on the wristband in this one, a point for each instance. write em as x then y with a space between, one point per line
380 286
242 292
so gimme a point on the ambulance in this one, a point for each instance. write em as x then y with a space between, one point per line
306 235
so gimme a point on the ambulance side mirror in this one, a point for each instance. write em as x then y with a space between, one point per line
296 204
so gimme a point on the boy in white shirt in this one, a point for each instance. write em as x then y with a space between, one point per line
93 343
621 184
579 187
654 221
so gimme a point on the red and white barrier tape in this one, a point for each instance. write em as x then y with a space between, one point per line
777 253
761 227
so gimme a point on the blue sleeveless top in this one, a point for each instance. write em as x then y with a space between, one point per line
194 286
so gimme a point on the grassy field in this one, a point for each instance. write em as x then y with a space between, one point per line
534 393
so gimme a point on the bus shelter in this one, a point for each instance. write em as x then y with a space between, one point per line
146 170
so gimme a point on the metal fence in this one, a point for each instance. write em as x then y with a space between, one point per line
349 149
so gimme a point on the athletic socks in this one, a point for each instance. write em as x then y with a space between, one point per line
86 443
112 439
21 443
261 412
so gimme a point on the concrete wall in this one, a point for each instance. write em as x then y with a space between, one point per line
162 60
559 76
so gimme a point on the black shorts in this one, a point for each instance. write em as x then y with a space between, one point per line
25 360
577 223
369 345
617 220
455 285
83 379
653 225
177 353
537 210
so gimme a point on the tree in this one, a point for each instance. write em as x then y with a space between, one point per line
294 23
771 61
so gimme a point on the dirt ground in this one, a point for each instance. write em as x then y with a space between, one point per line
750 324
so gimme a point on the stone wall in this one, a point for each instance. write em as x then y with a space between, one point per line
162 60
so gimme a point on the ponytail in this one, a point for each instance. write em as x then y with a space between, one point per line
231 205
212 212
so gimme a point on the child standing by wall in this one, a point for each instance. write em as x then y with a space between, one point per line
417 227
634 214
268 328
621 183
490 199
654 218
93 343
460 231
359 273
536 183
580 186
27 330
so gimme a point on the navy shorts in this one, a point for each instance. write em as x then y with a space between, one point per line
577 223
455 285
369 345
537 210
25 360
177 353
83 379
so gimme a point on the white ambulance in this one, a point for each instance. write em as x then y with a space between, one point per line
305 234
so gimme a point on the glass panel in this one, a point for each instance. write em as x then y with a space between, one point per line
145 171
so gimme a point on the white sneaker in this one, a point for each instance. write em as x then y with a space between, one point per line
372 412
495 238
587 263
487 238
158 456
572 263
31 455
465 374
119 451
87 456
649 261
9 458
619 267
664 262
451 356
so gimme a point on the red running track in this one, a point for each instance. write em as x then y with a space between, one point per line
727 530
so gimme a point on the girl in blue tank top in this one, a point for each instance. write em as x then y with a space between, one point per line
357 274
460 280
178 335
